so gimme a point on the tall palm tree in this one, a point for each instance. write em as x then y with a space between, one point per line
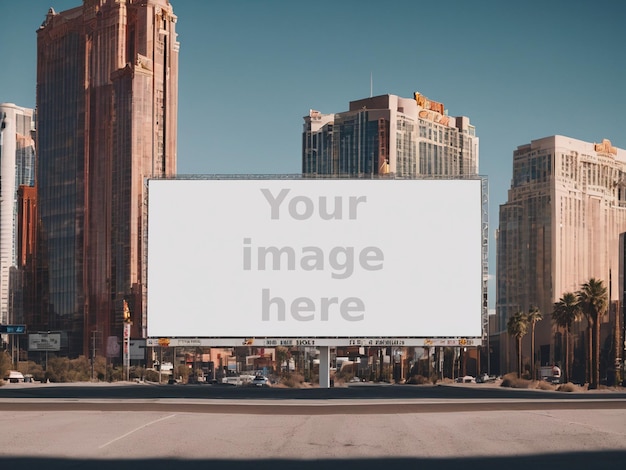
517 326
566 312
534 315
593 301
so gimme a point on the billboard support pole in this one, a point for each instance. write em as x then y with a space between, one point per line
324 366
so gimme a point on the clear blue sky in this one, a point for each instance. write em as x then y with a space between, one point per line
250 70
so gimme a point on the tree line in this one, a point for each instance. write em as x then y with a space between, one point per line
589 302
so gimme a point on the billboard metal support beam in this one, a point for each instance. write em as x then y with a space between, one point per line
324 366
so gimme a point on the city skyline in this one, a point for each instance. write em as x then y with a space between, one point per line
250 71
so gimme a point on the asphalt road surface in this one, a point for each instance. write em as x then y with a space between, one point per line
203 426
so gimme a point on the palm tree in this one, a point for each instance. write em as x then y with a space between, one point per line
282 357
534 315
566 312
593 301
517 326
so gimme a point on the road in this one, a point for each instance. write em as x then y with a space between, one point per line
202 426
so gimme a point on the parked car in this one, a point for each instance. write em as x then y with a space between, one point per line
14 376
261 381
485 378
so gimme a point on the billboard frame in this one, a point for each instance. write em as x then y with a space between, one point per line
330 341
44 341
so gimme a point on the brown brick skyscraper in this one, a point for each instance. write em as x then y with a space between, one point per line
107 85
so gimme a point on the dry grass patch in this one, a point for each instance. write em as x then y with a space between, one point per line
543 385
569 387
417 380
512 381
292 380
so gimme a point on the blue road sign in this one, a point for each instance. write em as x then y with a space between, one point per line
13 329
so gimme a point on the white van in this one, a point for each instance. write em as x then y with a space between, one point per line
14 377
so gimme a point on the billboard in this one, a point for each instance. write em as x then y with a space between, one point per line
315 258
137 349
44 342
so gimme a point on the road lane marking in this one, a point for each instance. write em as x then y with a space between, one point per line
135 430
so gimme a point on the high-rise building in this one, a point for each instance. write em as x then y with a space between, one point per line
17 167
107 112
28 273
387 134
560 227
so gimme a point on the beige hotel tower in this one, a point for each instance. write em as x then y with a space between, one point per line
107 86
560 226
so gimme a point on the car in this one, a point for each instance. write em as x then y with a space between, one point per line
14 376
465 379
356 379
485 378
482 378
260 381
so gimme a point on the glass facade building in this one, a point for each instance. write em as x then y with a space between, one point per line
17 167
107 108
387 134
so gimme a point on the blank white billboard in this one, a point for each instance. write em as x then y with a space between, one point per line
314 258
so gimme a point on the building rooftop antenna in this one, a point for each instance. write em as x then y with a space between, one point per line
371 85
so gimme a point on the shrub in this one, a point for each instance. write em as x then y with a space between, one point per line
100 368
151 375
543 385
57 369
511 380
136 372
34 369
417 380
292 380
568 387
63 369
182 372
116 373
5 364
80 369
345 374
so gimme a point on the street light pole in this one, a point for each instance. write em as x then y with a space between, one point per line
127 324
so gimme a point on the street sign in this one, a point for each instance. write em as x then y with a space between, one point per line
13 329
137 349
